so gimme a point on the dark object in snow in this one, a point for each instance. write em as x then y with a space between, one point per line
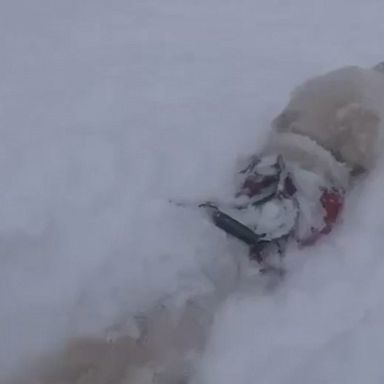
232 226
260 249
258 246
263 181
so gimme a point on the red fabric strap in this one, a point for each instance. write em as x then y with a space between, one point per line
332 201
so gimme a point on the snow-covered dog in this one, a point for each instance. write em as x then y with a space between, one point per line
330 131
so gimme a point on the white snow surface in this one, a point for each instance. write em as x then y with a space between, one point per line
110 108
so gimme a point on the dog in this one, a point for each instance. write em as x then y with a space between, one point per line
329 132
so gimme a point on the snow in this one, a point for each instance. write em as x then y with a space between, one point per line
107 110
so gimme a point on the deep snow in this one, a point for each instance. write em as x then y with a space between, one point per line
107 109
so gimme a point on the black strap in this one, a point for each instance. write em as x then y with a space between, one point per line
231 226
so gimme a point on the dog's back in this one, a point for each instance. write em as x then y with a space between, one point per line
341 111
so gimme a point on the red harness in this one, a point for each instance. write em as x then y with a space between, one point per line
281 185
332 200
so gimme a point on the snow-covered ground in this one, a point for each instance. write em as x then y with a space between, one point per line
110 108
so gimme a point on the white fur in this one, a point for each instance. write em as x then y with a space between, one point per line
309 155
342 111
